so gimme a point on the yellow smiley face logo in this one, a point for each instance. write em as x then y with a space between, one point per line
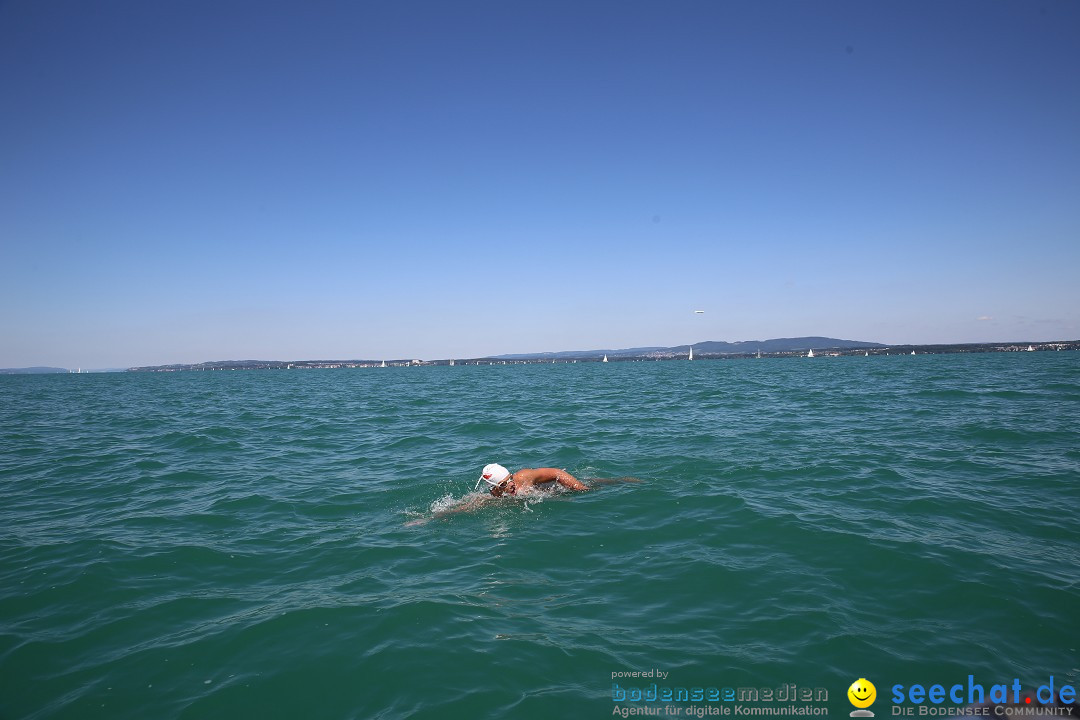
862 693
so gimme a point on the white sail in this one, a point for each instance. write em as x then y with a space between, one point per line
811 353
691 352
605 359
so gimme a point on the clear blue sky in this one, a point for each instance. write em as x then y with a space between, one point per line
189 181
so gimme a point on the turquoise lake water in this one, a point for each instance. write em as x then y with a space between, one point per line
244 544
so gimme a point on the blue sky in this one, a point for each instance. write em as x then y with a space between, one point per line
189 181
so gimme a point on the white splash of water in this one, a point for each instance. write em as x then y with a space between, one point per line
446 502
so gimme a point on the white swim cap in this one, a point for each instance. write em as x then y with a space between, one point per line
493 474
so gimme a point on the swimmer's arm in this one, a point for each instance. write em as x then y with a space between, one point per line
560 476
463 507
569 481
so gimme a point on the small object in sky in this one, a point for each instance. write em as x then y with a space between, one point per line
699 312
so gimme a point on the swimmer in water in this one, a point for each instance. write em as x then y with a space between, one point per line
501 482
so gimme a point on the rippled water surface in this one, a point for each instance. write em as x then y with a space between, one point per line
262 543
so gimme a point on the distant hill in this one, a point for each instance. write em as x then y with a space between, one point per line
776 345
583 353
782 345
32 371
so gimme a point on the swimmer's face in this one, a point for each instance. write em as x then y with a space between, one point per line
506 487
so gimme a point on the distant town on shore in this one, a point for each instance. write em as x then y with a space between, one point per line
708 350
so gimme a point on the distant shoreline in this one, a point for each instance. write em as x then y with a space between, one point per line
652 356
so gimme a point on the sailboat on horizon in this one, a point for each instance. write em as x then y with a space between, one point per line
811 353
691 353
605 359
